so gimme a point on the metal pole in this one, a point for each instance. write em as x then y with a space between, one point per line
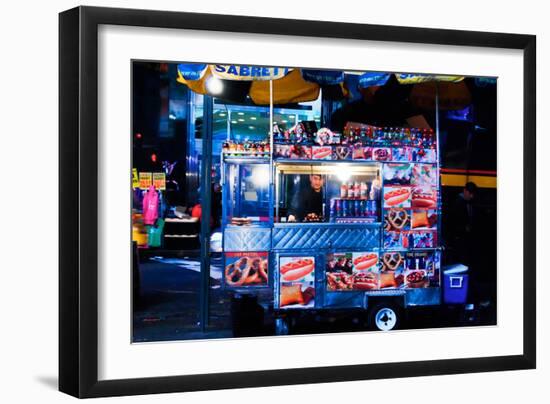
228 135
206 203
437 122
438 159
271 169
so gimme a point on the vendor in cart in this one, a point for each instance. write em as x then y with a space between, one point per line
307 203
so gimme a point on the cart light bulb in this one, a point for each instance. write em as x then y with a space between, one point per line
342 172
214 85
260 176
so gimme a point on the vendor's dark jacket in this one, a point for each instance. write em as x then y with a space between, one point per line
305 201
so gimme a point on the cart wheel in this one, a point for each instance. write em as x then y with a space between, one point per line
385 317
281 326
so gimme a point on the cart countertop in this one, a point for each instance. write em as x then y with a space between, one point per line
327 225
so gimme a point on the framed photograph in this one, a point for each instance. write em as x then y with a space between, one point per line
239 195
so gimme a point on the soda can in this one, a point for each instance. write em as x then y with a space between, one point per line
345 208
332 208
363 207
368 209
357 209
373 208
338 208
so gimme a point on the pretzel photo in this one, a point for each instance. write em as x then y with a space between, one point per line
392 260
237 273
342 153
246 271
398 218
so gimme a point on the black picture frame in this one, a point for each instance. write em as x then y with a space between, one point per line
78 207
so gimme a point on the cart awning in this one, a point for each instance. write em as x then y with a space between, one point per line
301 85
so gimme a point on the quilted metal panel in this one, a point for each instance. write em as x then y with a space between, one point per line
300 237
247 239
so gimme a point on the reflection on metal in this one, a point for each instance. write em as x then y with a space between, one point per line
423 297
325 236
337 300
247 239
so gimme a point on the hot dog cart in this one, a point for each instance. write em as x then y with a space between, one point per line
330 221
319 218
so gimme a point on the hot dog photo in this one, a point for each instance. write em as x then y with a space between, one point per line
397 197
297 269
424 198
297 276
352 271
365 261
321 153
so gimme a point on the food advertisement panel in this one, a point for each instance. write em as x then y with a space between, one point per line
424 219
352 271
362 153
381 153
297 282
293 151
398 174
321 153
392 270
401 154
424 197
424 175
246 269
422 155
404 240
342 153
422 269
410 215
396 196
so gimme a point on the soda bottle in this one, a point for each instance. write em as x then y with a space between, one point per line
363 190
343 190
